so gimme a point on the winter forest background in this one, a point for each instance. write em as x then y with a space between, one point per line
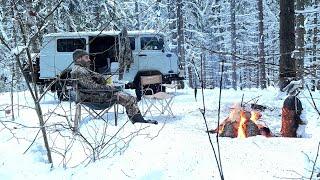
243 34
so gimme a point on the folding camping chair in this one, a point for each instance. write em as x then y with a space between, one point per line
95 107
158 100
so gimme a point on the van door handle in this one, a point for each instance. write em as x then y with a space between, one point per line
142 55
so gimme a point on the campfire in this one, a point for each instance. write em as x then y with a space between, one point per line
242 123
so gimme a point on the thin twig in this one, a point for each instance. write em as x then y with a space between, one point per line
216 154
219 113
314 164
314 104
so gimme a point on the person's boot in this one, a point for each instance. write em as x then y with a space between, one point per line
138 118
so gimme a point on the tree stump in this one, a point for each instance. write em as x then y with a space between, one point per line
289 124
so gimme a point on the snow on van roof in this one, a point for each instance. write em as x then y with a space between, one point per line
95 33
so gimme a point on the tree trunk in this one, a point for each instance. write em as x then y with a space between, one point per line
203 70
262 60
97 19
300 39
32 89
220 39
287 42
314 44
50 28
233 43
180 40
114 16
315 32
13 76
190 77
172 15
136 10
288 123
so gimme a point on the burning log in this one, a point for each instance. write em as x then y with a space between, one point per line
230 129
247 127
258 107
241 124
264 131
251 129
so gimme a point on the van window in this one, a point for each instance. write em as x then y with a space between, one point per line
151 43
69 45
132 43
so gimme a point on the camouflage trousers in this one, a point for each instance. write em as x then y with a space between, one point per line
128 101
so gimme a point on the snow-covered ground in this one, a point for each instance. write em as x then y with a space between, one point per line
176 148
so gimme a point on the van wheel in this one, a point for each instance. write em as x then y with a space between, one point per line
63 96
62 92
181 84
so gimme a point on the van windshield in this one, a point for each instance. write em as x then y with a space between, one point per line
151 43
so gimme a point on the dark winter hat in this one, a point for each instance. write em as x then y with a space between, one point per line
79 53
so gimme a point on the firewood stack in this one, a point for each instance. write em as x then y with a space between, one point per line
232 128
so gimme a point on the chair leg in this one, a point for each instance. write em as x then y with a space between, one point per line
149 104
167 107
116 108
77 117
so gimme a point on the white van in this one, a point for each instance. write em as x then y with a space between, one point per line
149 54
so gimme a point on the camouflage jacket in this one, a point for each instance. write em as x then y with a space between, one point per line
90 80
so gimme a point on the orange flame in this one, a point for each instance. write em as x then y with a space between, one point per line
241 128
255 115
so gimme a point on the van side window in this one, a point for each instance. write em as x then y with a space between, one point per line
132 43
151 43
69 45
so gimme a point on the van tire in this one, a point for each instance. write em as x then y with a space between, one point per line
181 84
62 93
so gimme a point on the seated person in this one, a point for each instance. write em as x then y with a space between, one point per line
90 80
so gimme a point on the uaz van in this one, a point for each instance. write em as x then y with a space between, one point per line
150 56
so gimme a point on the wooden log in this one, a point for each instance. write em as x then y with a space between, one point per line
258 107
251 129
230 129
